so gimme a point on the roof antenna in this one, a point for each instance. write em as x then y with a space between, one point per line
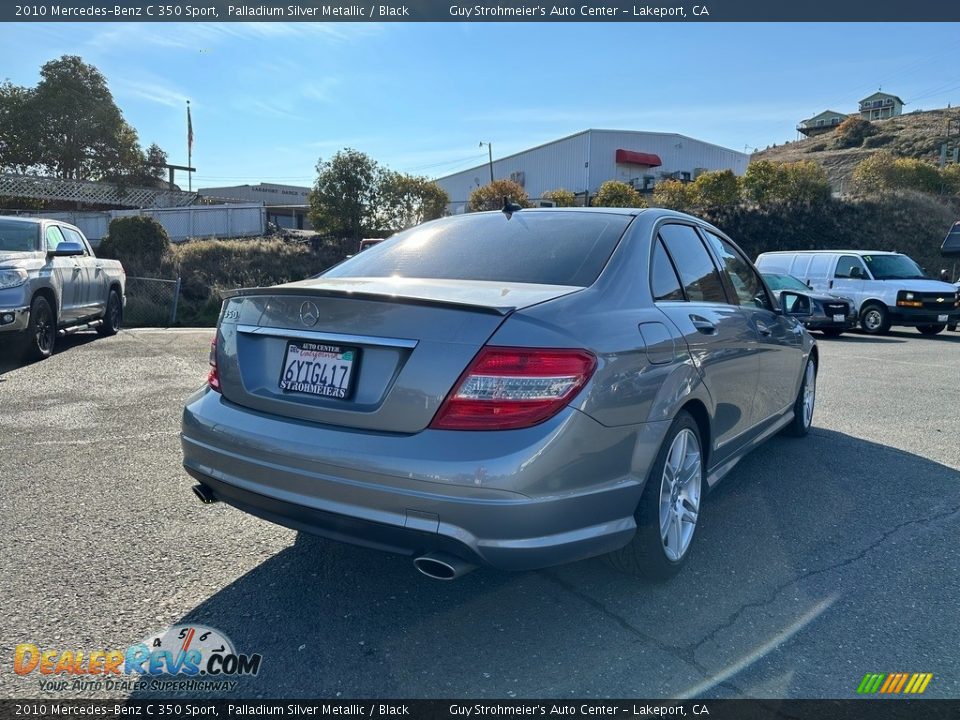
509 208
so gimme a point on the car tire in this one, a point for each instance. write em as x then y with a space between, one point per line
669 508
41 334
805 403
874 319
832 332
951 327
112 316
931 329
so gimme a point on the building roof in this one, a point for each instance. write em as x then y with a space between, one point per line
483 166
879 94
830 113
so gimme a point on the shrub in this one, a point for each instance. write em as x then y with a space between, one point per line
491 195
139 242
876 141
716 189
614 193
674 195
852 132
817 147
561 197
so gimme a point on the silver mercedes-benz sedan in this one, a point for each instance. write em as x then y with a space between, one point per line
515 389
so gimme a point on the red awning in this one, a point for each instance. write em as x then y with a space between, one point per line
630 157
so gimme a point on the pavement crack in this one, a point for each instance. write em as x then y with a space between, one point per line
772 596
685 654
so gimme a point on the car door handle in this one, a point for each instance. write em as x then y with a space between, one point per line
763 329
99 269
703 325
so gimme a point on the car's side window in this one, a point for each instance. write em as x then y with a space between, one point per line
74 236
845 266
53 237
745 280
664 283
698 274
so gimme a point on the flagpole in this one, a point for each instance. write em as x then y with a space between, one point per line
189 149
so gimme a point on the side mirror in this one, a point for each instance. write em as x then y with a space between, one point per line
67 249
794 304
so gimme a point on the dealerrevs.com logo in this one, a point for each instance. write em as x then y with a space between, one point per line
183 657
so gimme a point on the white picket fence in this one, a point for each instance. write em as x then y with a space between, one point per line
198 221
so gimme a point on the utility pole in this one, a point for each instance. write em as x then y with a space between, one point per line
490 152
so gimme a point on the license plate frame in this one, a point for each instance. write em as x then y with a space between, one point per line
839 317
316 382
943 318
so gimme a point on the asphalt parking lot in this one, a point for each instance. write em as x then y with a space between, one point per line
817 560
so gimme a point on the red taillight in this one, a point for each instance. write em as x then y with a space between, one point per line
213 377
506 388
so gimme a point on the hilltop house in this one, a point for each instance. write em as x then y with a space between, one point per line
880 106
827 120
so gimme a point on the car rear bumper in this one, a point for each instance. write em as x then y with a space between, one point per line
521 499
14 318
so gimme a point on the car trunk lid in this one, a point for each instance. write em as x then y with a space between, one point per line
376 354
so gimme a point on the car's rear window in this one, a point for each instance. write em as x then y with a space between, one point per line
18 236
551 248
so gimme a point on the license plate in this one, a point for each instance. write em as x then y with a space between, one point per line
313 368
941 318
839 318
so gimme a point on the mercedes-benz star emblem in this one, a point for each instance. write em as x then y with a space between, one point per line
309 314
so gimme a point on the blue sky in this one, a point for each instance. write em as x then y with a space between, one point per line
270 99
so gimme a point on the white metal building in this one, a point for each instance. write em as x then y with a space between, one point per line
581 163
287 205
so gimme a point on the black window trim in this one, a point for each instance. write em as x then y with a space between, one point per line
724 282
658 241
774 305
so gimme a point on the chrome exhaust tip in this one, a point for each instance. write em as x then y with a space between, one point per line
204 494
442 566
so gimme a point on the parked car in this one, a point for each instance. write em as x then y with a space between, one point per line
515 389
368 243
888 288
52 282
830 314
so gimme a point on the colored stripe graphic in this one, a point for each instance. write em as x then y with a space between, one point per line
894 683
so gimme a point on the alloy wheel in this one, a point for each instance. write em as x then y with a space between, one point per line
680 494
809 394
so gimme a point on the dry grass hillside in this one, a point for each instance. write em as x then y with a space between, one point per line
915 135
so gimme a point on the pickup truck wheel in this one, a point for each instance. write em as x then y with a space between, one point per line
931 329
874 319
113 317
41 333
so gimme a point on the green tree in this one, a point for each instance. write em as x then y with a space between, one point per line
139 242
19 140
804 181
82 132
716 189
408 200
561 197
762 182
491 195
344 198
674 195
614 193
68 126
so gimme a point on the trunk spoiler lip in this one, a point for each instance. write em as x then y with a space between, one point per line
501 310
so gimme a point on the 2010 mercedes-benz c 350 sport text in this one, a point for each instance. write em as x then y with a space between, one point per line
515 389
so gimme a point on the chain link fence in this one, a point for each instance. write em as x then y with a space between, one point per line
151 302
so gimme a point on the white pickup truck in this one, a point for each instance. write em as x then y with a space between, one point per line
51 283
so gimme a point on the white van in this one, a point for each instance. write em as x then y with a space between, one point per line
887 288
